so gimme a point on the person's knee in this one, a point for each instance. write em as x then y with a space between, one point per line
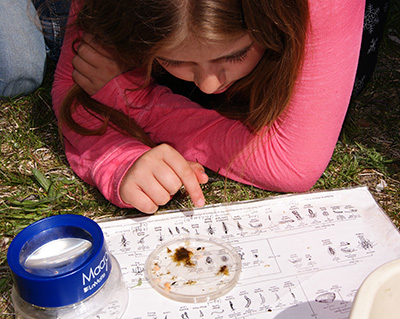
23 73
22 48
19 85
22 42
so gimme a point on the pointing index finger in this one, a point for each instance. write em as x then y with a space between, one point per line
183 170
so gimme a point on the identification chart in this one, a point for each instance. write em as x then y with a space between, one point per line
302 256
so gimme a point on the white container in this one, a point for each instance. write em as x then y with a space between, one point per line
379 294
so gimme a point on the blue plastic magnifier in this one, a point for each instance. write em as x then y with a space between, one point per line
59 261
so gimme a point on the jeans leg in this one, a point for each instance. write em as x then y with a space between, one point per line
53 17
22 48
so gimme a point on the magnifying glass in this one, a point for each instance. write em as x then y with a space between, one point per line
62 268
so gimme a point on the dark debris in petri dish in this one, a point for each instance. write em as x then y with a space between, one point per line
183 255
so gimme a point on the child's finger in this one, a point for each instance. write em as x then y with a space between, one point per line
95 67
88 39
81 66
84 82
167 177
88 54
198 170
139 199
189 179
155 191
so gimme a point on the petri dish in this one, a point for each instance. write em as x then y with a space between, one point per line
193 269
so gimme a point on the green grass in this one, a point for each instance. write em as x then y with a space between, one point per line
36 181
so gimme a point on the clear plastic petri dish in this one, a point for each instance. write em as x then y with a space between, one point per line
193 269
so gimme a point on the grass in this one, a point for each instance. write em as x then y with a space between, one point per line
36 181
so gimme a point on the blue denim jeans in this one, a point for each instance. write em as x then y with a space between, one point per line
53 18
22 48
25 41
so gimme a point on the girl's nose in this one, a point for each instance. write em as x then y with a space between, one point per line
209 80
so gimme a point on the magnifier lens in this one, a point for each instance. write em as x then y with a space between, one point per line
56 252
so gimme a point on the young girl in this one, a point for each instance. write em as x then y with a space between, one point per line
255 90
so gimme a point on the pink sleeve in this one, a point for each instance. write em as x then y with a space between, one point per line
101 161
292 154
289 156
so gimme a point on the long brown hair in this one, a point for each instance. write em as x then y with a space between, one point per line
137 30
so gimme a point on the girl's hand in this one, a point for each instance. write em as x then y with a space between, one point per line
157 175
93 66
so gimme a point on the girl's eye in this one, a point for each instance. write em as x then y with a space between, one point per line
170 64
237 58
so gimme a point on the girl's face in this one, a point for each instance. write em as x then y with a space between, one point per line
212 67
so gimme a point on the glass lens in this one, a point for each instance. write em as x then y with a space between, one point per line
55 252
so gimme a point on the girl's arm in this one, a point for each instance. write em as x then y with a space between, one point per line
109 161
293 153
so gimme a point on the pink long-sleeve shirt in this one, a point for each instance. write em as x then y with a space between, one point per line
290 156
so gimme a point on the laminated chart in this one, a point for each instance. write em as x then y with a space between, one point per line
302 256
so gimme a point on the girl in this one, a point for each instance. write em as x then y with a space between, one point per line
264 91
